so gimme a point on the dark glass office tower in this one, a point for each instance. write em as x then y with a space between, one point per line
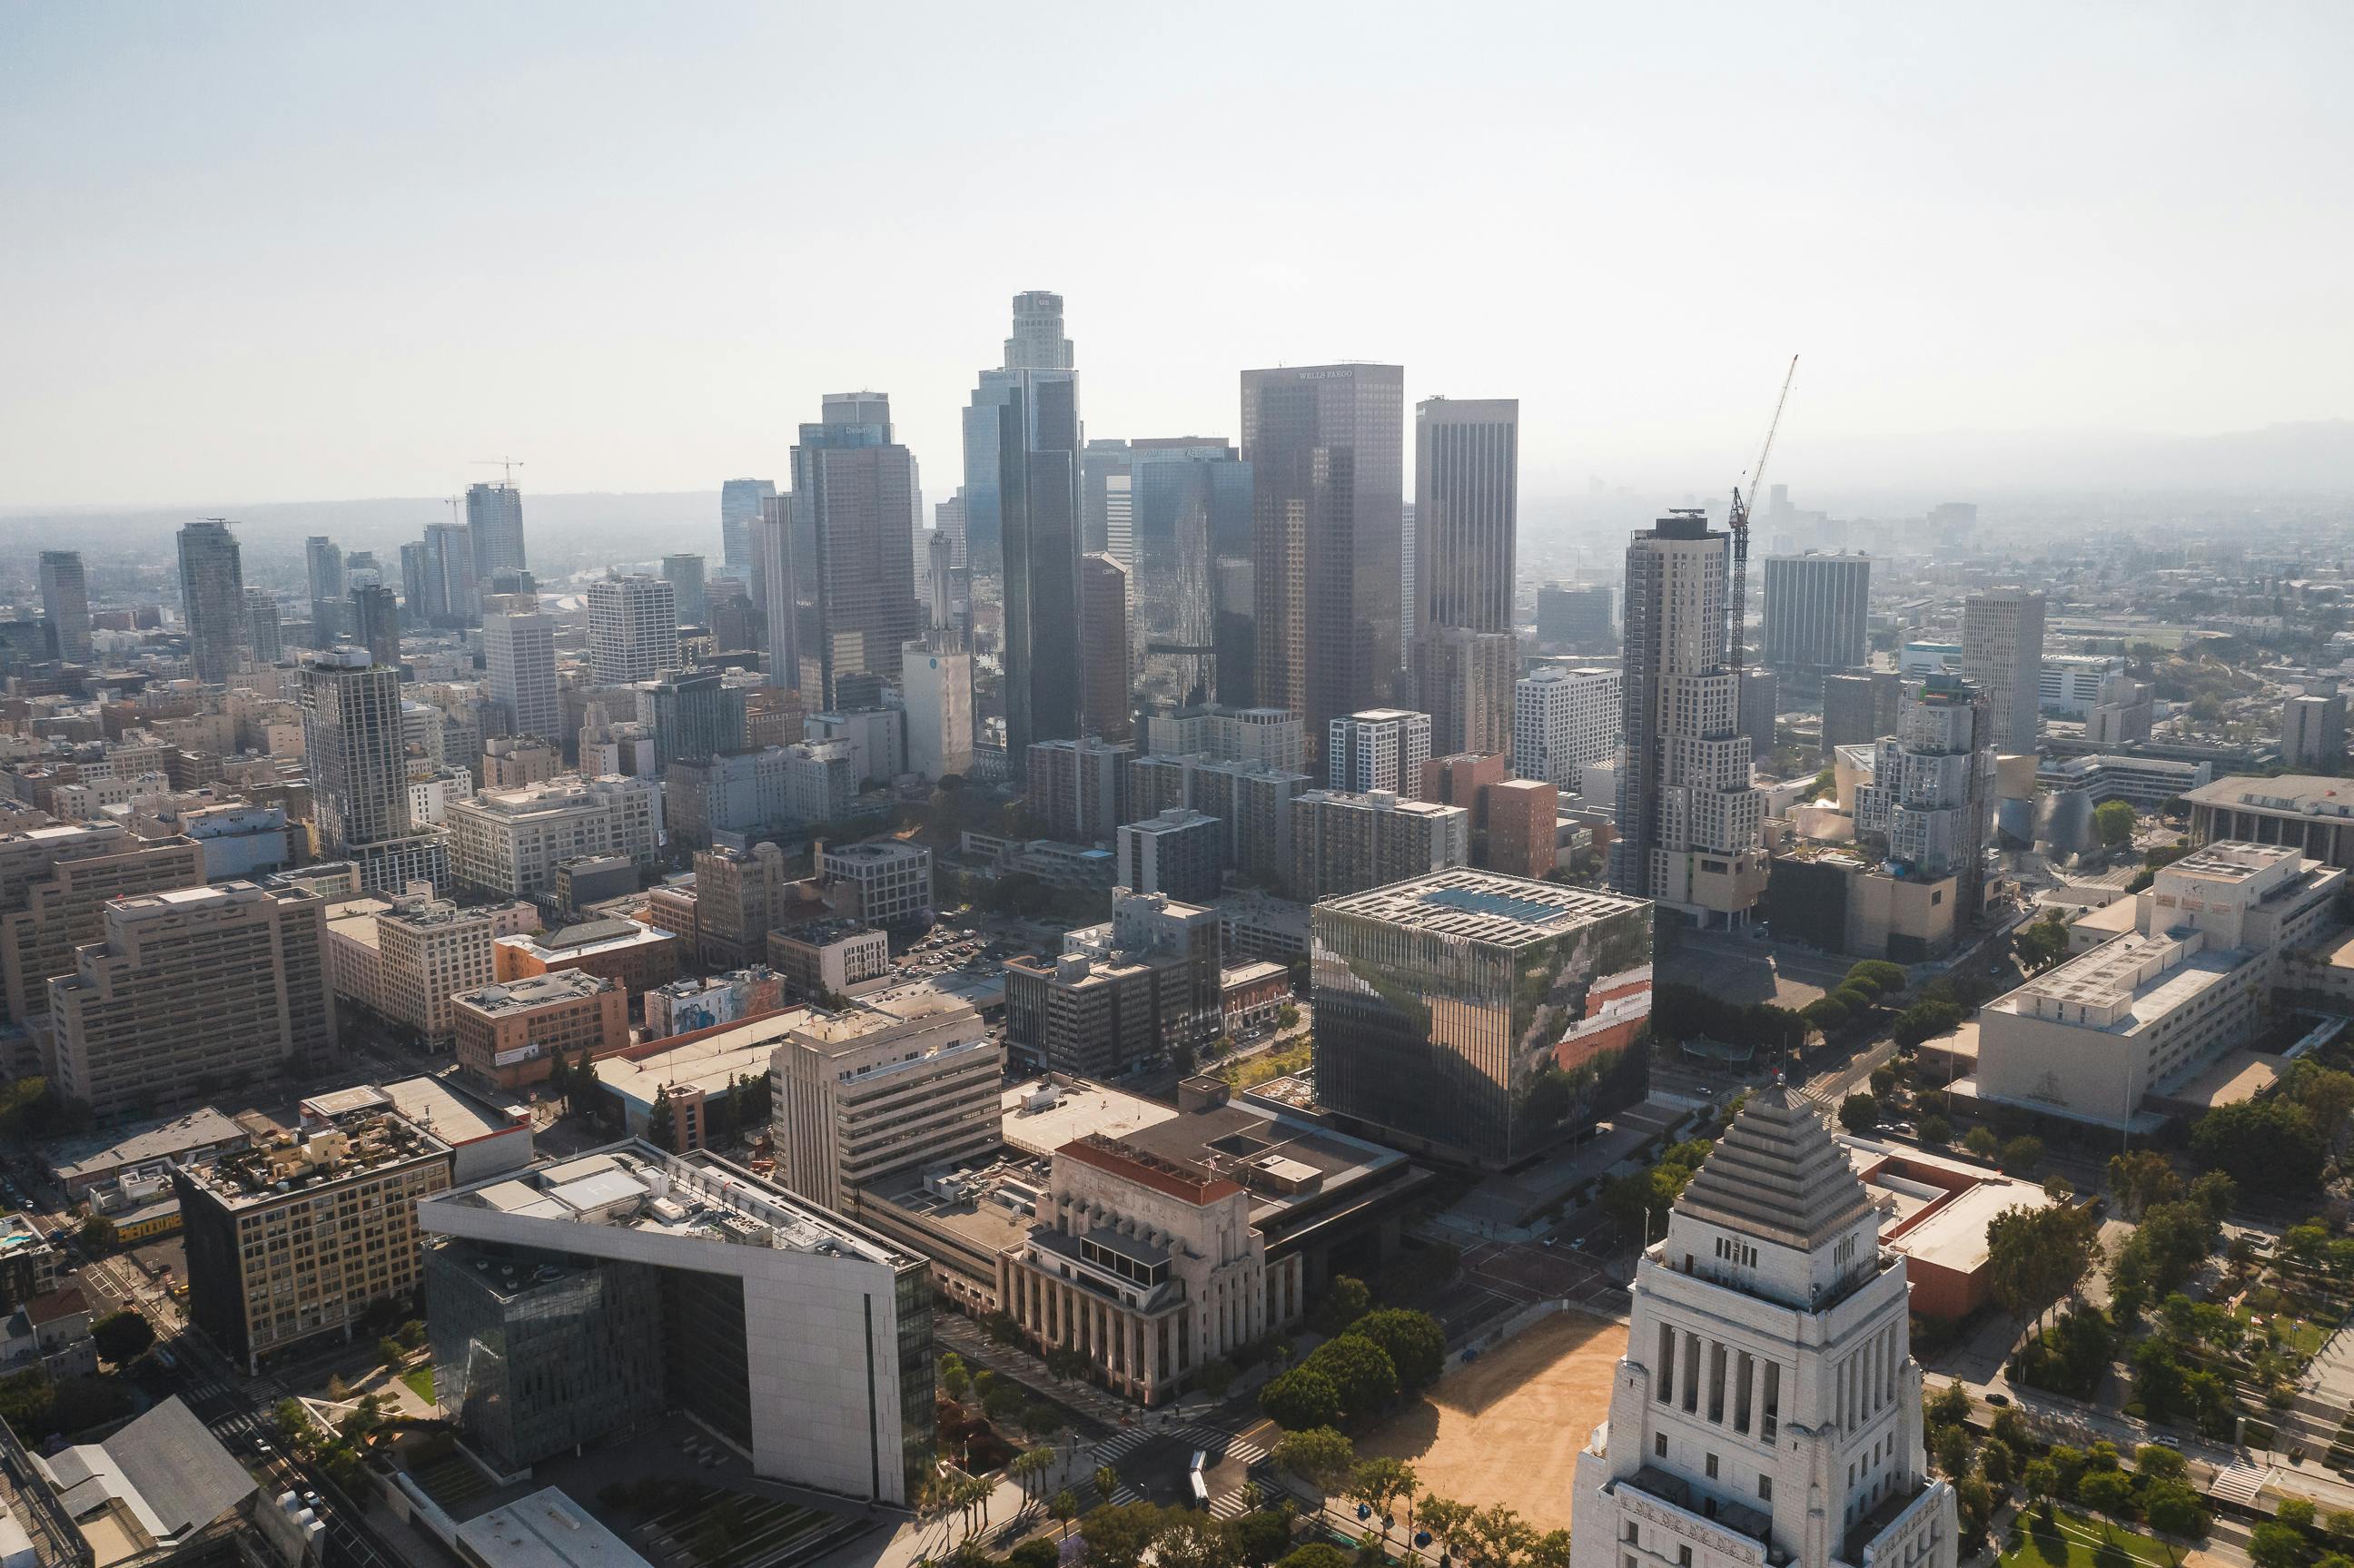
1022 522
840 554
1325 445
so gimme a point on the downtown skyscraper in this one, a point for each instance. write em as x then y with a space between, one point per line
1464 657
354 742
519 657
739 515
1107 701
323 565
453 587
1326 448
2003 656
1467 511
1817 608
375 615
65 601
494 517
1189 517
1021 514
351 739
1688 816
839 551
212 597
633 629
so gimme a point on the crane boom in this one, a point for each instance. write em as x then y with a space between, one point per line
1737 522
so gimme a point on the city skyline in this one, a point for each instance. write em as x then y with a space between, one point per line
441 352
811 1017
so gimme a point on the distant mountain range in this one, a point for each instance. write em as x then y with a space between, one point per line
1882 473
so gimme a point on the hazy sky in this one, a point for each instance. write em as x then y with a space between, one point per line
275 252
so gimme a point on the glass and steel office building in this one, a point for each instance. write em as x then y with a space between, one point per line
1327 449
536 1354
1190 508
1451 1009
569 1302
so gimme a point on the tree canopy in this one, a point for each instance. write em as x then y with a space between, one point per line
2271 1145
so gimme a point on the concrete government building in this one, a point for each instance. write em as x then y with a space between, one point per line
1767 1412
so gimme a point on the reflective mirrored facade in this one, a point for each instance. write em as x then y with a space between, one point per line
1454 1012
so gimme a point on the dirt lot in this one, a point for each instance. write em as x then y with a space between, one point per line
1508 1428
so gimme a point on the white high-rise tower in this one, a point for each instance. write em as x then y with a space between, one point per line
1688 816
1767 1411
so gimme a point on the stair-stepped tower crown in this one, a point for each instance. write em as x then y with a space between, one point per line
1776 1209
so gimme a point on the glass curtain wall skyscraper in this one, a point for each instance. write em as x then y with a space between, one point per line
740 514
1023 525
839 552
494 517
323 561
1190 517
212 597
1326 446
453 587
65 601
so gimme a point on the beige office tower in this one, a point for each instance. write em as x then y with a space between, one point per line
1688 816
936 689
1107 699
1463 680
865 1094
2003 656
1467 484
194 990
54 885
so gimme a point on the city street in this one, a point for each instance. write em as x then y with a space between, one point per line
237 1412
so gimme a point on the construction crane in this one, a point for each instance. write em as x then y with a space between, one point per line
505 465
1738 521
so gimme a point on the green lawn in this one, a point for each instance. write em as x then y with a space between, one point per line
2302 1338
421 1381
2071 1540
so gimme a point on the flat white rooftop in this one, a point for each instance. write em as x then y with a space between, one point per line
545 1529
2124 985
633 1186
1076 1110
